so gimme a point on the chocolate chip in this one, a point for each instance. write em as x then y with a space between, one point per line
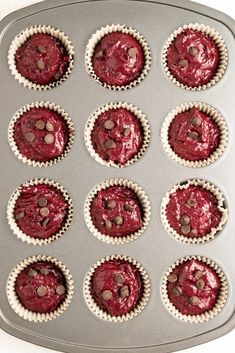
49 126
30 136
44 211
20 215
128 208
109 124
183 63
193 232
198 274
177 291
110 144
126 132
119 278
40 64
40 124
185 229
193 50
124 292
108 224
132 52
45 222
99 54
193 135
42 291
200 284
60 289
42 201
57 75
107 294
172 278
49 139
44 271
118 220
196 121
194 300
185 219
41 49
191 202
32 273
111 204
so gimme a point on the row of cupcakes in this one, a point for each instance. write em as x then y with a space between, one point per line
117 211
118 134
118 57
117 288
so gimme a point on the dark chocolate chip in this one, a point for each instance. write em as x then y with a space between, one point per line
40 124
109 124
57 76
42 202
45 222
193 50
49 139
44 211
108 224
99 54
200 284
128 208
40 64
193 232
32 273
41 49
177 291
60 289
132 52
20 215
185 229
172 278
109 144
183 63
126 132
111 204
42 291
184 219
107 294
193 135
194 300
198 274
191 202
119 278
49 126
196 121
30 136
124 292
44 271
118 220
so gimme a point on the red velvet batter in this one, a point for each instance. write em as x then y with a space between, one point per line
116 287
194 289
42 59
117 135
40 211
41 134
116 211
118 59
193 135
193 212
193 58
41 287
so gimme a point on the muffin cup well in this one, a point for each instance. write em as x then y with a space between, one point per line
215 116
105 315
96 38
144 202
53 107
221 206
208 315
90 125
22 37
223 55
11 206
15 302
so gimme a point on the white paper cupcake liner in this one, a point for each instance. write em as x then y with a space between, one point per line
96 38
105 315
215 116
21 38
221 206
15 302
208 315
90 125
11 206
223 55
28 107
144 202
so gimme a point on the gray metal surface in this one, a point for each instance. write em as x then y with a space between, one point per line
78 329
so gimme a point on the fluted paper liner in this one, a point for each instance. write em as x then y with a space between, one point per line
15 302
208 315
28 107
21 38
221 206
90 125
223 55
104 314
96 38
144 203
214 115
11 206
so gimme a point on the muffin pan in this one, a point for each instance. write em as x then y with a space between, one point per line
154 329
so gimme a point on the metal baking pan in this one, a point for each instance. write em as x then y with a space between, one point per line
78 329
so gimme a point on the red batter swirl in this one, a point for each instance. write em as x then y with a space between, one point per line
193 211
41 134
42 59
116 211
40 210
116 287
193 58
193 287
41 287
118 59
117 135
193 135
